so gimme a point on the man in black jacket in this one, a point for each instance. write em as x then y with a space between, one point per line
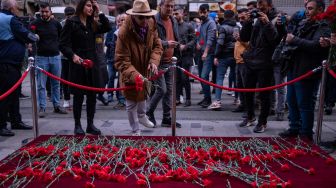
168 32
301 96
12 49
263 38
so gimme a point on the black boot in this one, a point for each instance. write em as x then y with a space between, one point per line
91 128
78 128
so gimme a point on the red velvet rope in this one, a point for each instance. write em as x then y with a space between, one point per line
84 87
15 86
332 73
157 76
250 90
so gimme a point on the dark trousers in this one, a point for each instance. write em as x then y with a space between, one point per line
183 80
65 76
240 82
330 98
90 105
264 78
9 75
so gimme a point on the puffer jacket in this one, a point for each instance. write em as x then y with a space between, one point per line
225 41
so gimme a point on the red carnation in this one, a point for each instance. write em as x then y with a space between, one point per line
311 171
285 167
33 27
77 177
198 33
201 42
330 161
254 184
141 182
207 183
89 185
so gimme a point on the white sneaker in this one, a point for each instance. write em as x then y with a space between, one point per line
145 122
181 99
215 105
136 133
66 104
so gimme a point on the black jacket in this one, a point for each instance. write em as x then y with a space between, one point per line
187 37
262 38
81 40
309 54
225 41
162 33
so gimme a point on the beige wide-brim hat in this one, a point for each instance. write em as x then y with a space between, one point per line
141 8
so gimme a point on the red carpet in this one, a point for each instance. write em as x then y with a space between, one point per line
167 162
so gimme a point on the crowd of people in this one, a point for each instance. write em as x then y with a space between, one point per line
260 45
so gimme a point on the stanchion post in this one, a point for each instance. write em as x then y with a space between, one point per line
173 100
321 102
31 61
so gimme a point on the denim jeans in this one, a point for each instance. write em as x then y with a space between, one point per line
223 65
54 66
112 73
280 92
301 98
163 90
206 69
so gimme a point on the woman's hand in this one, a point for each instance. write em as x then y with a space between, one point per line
76 59
152 67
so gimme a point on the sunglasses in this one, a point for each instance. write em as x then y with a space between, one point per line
143 17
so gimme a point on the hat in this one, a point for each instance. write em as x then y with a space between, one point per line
69 11
141 8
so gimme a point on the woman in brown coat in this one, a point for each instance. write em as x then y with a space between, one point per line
138 52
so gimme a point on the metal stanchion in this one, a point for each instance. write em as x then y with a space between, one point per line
31 61
173 120
321 102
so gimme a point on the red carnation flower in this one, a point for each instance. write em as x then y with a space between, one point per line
198 33
77 177
311 171
330 161
285 167
207 183
33 27
89 185
201 42
141 182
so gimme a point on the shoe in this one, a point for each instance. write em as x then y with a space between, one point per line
187 103
178 103
201 92
215 105
238 109
260 128
66 104
42 113
181 99
244 115
91 129
199 103
60 110
145 122
119 106
136 133
272 112
102 99
78 129
206 103
166 122
236 102
22 96
247 122
151 118
288 134
230 93
6 132
110 98
280 116
21 126
328 110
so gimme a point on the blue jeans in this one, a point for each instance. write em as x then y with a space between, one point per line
112 73
301 98
206 69
223 65
54 66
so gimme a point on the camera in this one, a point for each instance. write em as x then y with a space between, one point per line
255 13
283 19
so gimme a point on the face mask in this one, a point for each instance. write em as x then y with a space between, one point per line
203 18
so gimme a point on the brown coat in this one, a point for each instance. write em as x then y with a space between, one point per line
132 56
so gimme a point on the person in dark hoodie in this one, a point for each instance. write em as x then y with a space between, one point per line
263 37
224 53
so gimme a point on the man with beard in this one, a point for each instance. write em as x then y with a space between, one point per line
263 37
48 58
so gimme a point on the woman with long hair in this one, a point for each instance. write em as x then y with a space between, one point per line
78 41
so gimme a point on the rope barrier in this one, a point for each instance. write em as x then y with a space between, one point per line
16 85
332 73
255 89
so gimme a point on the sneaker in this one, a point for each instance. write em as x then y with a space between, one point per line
260 128
215 105
151 117
110 98
247 122
136 133
206 103
59 110
230 93
166 122
200 103
187 103
119 106
145 122
236 102
280 116
288 134
102 99
66 104
181 99
42 113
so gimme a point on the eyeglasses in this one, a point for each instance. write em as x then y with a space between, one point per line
143 17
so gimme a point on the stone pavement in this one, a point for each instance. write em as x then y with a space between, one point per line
196 121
